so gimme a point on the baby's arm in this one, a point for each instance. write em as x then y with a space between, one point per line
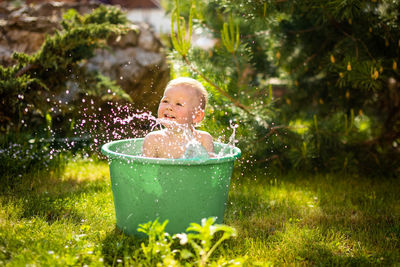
149 148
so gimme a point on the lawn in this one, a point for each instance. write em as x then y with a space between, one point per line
67 217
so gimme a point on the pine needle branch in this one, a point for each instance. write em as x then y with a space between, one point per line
218 88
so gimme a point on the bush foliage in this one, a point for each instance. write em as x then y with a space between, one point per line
31 88
337 104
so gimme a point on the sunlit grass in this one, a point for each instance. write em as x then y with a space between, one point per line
321 219
67 218
63 219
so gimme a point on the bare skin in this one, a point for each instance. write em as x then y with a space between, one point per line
164 144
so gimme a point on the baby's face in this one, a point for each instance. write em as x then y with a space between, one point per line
179 104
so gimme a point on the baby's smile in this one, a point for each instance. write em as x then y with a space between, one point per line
167 116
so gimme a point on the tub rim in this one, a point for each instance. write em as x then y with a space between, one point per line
105 150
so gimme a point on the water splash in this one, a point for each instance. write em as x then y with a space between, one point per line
230 146
98 125
194 149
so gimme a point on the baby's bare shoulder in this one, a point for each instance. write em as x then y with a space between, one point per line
205 139
203 135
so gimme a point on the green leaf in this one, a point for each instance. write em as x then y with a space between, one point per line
70 14
186 254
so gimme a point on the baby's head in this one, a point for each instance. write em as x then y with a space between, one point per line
183 102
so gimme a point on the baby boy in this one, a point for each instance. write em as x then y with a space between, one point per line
180 109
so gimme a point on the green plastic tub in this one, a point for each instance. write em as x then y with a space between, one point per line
180 190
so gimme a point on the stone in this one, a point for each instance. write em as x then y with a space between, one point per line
148 41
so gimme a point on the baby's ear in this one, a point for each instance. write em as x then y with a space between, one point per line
198 117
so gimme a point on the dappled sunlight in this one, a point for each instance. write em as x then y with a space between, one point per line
261 209
311 244
282 198
76 174
310 218
288 220
300 126
68 214
85 170
286 195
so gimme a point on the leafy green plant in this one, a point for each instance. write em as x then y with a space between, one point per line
158 249
202 239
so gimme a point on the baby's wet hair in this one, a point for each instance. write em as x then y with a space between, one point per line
192 83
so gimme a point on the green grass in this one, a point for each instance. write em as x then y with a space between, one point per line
321 219
67 218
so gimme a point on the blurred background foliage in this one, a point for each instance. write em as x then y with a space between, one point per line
30 89
314 85
34 121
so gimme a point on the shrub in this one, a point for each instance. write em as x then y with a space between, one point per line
338 106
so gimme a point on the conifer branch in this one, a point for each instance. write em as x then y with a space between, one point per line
240 77
25 69
306 30
219 89
274 130
361 42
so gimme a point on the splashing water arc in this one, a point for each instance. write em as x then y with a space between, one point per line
180 190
